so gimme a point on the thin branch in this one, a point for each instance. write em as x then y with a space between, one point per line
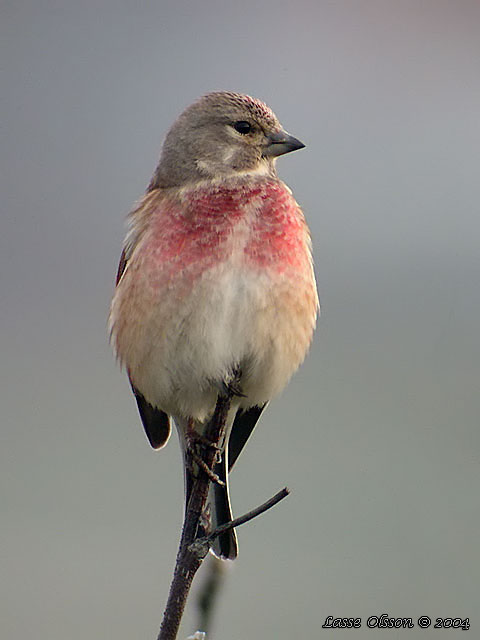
236 522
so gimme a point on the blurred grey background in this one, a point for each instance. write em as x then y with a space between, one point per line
377 436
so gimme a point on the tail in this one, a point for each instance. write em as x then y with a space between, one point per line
225 546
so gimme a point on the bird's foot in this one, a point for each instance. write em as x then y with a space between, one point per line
196 444
195 439
206 469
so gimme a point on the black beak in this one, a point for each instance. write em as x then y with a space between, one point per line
279 143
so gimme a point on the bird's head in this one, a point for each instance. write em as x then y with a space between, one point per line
219 135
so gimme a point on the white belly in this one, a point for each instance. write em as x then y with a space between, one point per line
232 317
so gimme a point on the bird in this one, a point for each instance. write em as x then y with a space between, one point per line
215 287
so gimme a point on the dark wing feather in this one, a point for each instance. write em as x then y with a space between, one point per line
121 266
155 421
243 425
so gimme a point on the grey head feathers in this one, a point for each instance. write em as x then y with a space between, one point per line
221 134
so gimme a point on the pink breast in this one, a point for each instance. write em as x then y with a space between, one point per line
192 233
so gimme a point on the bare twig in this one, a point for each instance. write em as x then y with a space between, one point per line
236 522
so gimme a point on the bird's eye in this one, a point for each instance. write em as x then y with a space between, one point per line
242 126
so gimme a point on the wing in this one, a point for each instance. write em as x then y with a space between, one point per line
155 421
243 425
